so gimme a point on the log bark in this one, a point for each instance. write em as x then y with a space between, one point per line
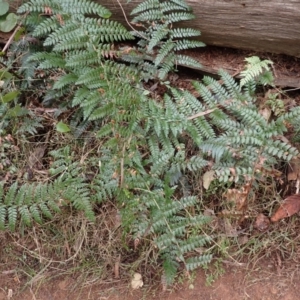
260 25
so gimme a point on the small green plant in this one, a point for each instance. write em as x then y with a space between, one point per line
214 272
8 21
276 104
257 69
13 115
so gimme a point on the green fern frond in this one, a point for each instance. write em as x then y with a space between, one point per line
170 267
254 68
69 31
163 52
187 44
39 6
195 262
48 60
72 7
48 25
148 16
160 32
84 7
65 80
146 5
187 61
184 33
30 202
179 17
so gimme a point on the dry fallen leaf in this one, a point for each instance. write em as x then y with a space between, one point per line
230 229
137 281
266 113
238 197
208 177
262 222
288 207
294 169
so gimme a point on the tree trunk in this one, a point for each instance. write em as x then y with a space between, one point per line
260 25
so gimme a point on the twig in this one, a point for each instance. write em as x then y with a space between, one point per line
124 14
200 114
39 274
11 71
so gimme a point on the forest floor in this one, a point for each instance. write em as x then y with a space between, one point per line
265 267
265 281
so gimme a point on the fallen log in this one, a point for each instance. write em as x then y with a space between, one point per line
265 25
261 25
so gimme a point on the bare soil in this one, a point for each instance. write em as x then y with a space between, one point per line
264 282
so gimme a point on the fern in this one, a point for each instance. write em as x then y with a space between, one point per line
71 7
142 160
32 202
254 69
161 35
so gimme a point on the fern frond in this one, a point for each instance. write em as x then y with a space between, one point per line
145 5
161 31
184 33
187 44
179 17
72 7
195 262
48 60
254 68
47 26
65 80
151 15
187 61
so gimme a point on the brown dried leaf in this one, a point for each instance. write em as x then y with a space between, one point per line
262 222
239 197
294 169
288 207
60 19
35 158
208 177
266 113
48 10
137 281
230 230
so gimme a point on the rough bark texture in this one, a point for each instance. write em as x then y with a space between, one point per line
268 26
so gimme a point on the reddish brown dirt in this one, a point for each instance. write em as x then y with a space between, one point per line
286 69
261 283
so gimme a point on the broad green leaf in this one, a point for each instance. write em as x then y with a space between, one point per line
8 23
62 127
4 7
9 96
5 74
